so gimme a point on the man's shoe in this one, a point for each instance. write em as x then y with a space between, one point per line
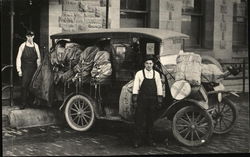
136 144
22 107
151 143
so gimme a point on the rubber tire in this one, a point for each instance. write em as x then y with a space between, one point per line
211 60
68 119
180 138
235 116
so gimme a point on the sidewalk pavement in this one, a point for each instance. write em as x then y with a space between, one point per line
236 85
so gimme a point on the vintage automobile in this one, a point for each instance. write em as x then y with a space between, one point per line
194 118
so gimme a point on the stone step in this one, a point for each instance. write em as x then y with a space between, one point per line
5 121
5 114
16 93
32 118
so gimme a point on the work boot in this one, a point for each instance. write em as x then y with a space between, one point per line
22 106
150 140
137 144
151 143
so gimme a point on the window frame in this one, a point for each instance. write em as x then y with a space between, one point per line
134 11
245 17
201 16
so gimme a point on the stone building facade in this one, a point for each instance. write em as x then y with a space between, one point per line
216 27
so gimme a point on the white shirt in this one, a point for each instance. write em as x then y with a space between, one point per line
20 52
148 74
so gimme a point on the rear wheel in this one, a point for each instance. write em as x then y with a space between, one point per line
79 113
225 115
192 126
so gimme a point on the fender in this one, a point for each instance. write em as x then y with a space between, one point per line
177 105
84 94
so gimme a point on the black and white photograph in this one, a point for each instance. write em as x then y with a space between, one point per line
124 77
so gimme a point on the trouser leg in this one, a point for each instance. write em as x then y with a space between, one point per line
25 85
150 119
139 121
28 73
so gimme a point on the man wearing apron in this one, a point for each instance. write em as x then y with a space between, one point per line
147 96
27 61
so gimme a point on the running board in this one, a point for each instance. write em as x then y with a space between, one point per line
114 118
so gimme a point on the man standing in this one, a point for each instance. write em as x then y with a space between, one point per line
27 61
147 96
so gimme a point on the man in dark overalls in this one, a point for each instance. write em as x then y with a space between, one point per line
27 61
147 96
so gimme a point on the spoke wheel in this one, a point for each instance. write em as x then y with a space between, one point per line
224 116
192 126
79 113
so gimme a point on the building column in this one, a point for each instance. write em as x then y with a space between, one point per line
44 28
114 13
208 24
223 29
154 14
170 14
55 10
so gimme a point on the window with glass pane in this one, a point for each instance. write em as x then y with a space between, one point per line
240 31
133 13
133 4
191 25
132 20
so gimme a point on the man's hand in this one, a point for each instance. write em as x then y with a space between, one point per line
234 70
159 100
134 101
38 63
20 73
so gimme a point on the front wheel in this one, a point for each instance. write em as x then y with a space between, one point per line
79 113
192 126
225 115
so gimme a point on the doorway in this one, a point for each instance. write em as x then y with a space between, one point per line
26 17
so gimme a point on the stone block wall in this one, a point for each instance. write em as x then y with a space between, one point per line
81 15
170 14
55 10
223 29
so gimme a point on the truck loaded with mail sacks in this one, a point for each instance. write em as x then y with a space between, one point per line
90 75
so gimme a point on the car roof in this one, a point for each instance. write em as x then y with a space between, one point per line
151 33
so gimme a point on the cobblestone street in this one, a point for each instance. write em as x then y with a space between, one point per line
113 138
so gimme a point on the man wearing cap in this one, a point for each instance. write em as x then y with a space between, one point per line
27 61
147 96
